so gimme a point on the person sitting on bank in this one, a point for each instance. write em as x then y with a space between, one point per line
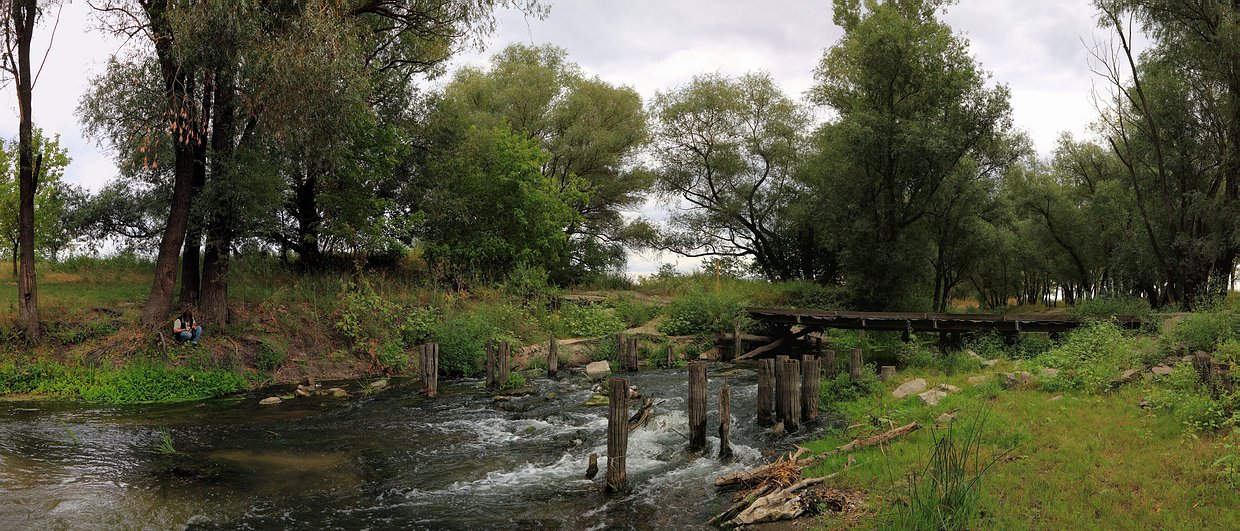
186 329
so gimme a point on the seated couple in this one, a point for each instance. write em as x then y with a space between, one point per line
185 328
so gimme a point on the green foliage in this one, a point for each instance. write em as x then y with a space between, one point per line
1205 330
813 296
1185 398
165 442
271 354
916 355
586 320
381 327
631 311
490 209
51 197
606 349
135 383
946 494
702 313
462 336
1106 307
73 332
844 389
515 381
392 354
1093 355
1229 352
529 283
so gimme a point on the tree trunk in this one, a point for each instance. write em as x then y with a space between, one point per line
178 87
191 281
24 14
308 219
220 230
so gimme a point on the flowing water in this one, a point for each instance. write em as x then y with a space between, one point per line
391 459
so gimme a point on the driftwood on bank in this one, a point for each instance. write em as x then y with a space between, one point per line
784 504
757 475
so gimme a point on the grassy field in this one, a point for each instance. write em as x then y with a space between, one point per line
1057 460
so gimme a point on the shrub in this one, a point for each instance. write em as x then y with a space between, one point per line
844 389
1102 308
1206 330
515 381
631 312
462 336
702 313
811 295
529 283
392 355
1092 355
606 349
989 345
575 320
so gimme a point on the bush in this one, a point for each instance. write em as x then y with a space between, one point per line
844 389
1107 306
631 312
810 295
575 320
392 355
462 336
529 283
515 381
1091 356
914 354
606 349
1206 330
989 345
702 313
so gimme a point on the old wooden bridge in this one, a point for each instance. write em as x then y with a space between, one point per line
949 327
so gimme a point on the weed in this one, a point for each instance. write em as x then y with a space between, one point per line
947 492
702 313
575 320
515 381
165 442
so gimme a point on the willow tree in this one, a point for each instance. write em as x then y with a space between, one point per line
912 109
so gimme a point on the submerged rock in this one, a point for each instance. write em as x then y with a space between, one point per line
910 387
598 370
271 400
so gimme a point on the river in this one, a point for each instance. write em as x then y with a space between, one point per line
390 459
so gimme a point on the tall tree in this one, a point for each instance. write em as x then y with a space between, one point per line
591 130
19 24
912 106
726 151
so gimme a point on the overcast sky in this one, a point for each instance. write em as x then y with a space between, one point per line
1037 48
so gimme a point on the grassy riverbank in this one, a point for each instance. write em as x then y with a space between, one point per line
1072 450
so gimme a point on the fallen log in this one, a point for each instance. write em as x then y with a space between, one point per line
784 504
758 475
773 345
744 502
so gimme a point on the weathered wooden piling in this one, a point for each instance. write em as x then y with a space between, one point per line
632 352
766 390
725 421
671 355
622 351
492 367
854 364
697 406
505 359
809 388
886 372
781 408
553 358
617 435
428 365
829 358
791 394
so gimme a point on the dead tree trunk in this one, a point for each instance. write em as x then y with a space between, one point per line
725 421
697 406
766 390
809 388
617 435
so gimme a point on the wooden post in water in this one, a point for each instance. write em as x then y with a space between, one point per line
725 421
622 351
829 356
791 397
504 360
781 408
809 388
617 435
428 365
553 358
766 390
633 362
697 406
491 366
854 365
671 355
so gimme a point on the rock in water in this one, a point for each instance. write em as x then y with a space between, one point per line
271 400
598 370
592 470
338 392
379 384
910 387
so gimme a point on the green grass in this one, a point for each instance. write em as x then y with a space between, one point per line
141 382
1082 462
